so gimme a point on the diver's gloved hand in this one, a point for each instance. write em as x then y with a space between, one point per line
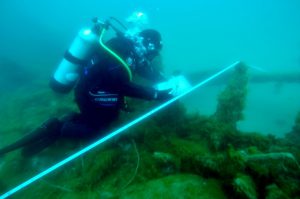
163 94
176 85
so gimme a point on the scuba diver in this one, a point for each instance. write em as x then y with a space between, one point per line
101 74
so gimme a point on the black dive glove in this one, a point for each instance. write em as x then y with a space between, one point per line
163 94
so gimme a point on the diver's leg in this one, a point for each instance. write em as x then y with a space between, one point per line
36 147
89 124
48 129
46 141
77 128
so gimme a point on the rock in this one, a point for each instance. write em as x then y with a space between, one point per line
244 187
176 186
273 192
167 163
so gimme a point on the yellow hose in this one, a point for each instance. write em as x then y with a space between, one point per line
115 55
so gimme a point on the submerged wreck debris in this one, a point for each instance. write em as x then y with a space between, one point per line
167 163
176 153
279 158
293 137
296 128
176 186
244 186
274 192
230 107
232 100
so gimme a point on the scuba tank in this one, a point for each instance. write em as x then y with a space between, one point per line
80 51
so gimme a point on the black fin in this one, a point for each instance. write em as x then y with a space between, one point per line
49 128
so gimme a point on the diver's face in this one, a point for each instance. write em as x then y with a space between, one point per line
152 55
152 50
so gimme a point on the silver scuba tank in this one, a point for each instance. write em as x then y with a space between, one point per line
81 50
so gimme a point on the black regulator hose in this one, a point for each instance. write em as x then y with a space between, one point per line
98 25
119 22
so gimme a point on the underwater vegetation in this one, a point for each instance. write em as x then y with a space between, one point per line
231 101
175 154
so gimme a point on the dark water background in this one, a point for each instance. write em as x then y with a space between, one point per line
198 36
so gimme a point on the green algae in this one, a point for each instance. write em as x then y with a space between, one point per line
176 154
176 186
273 192
232 100
244 186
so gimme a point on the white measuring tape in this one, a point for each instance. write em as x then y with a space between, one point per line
113 134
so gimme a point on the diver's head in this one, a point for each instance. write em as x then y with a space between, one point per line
151 40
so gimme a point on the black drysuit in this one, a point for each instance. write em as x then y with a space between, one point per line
103 84
99 94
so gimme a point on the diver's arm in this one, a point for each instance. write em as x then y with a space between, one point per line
120 82
148 93
138 91
125 87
